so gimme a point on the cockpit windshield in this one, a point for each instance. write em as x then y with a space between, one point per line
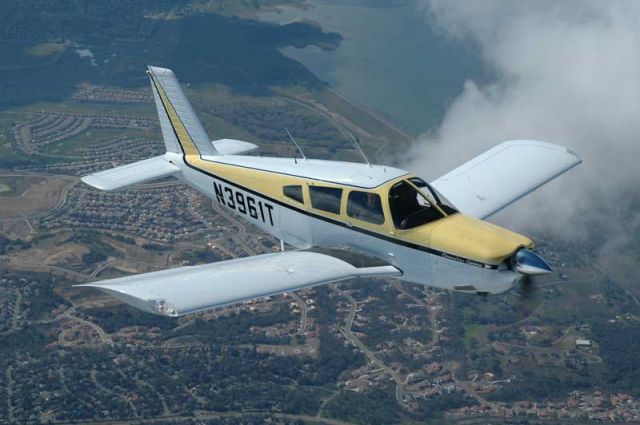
442 202
410 208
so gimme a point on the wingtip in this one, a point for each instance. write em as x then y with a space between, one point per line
87 179
554 146
86 285
150 305
96 182
575 154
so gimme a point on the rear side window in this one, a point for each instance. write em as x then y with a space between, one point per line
293 192
365 206
326 198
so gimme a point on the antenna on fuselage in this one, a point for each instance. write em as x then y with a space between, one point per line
295 143
355 142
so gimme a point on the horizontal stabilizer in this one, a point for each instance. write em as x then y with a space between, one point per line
184 290
233 147
130 174
504 174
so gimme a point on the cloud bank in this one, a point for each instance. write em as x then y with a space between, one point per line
567 72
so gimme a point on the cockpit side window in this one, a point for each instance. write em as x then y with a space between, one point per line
409 208
365 206
293 192
443 202
326 198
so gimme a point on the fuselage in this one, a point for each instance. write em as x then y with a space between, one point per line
383 211
308 203
348 220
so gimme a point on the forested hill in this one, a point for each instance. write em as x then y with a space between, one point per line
51 46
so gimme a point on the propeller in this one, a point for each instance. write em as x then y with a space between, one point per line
527 285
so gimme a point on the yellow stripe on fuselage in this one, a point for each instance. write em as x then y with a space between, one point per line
182 134
459 235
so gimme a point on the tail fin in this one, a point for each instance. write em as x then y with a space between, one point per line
181 129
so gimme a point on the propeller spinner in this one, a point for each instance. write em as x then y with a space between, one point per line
529 263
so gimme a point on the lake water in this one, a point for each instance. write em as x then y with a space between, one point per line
391 60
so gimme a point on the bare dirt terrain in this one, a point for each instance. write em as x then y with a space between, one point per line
39 194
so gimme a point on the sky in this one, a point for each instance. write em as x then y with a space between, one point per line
566 72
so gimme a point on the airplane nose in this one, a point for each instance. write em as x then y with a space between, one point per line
528 262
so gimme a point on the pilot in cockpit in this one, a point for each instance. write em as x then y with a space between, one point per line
410 208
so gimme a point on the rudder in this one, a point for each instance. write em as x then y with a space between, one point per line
181 130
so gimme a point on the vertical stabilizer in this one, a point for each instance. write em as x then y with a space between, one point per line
181 130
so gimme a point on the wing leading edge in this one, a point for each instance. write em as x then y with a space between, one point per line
502 175
185 290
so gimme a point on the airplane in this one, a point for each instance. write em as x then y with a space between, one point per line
344 219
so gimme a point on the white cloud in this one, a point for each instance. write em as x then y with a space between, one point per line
567 72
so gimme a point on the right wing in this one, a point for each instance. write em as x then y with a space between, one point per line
504 174
184 290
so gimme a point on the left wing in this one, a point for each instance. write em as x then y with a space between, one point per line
502 175
185 290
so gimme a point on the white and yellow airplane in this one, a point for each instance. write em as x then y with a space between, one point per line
345 219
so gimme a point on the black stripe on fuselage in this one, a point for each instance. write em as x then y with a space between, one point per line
309 213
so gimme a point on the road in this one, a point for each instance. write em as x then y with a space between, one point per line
62 199
241 236
5 173
346 331
466 385
433 315
201 416
15 313
303 313
94 379
68 314
16 310
104 337
9 393
32 267
592 277
110 263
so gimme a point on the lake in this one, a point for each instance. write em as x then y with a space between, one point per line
391 60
